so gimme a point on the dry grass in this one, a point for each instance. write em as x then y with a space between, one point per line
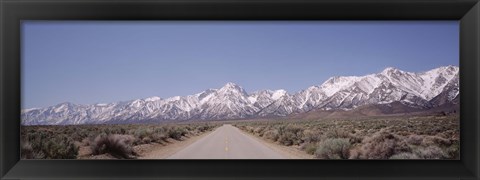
64 142
119 146
333 148
407 137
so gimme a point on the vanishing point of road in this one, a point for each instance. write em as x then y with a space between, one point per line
227 142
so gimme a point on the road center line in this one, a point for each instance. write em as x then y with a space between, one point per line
226 144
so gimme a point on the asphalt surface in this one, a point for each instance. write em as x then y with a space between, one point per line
227 142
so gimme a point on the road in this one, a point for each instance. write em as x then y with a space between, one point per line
227 142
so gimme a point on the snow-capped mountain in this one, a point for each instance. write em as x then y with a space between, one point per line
228 102
421 90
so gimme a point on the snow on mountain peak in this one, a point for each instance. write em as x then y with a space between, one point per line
449 70
449 67
436 79
390 70
62 107
278 94
231 87
337 83
29 109
154 98
174 98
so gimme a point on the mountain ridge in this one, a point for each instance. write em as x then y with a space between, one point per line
422 90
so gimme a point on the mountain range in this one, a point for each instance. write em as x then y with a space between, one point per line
392 87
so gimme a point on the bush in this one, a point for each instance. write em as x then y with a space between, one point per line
259 130
414 139
146 140
287 138
435 140
26 150
141 133
203 128
59 147
119 146
249 129
336 148
381 145
431 152
86 142
337 133
271 134
310 136
290 135
175 133
453 151
294 128
159 137
310 148
47 145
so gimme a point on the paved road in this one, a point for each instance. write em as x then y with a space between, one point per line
227 142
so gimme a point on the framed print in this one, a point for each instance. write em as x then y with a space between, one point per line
227 89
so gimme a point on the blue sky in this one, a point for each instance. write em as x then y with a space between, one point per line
88 62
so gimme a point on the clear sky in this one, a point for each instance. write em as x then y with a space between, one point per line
89 62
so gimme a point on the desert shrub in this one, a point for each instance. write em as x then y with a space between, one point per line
310 148
431 152
146 140
122 131
184 131
107 131
241 126
404 155
355 153
159 130
60 147
159 137
47 145
141 133
176 133
117 145
355 139
287 138
453 151
271 134
414 139
79 134
310 136
26 150
202 128
290 135
293 128
336 148
259 130
382 145
249 129
435 140
337 133
378 126
86 141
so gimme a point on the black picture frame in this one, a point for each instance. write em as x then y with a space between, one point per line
12 12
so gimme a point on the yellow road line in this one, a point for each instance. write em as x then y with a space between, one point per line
226 144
